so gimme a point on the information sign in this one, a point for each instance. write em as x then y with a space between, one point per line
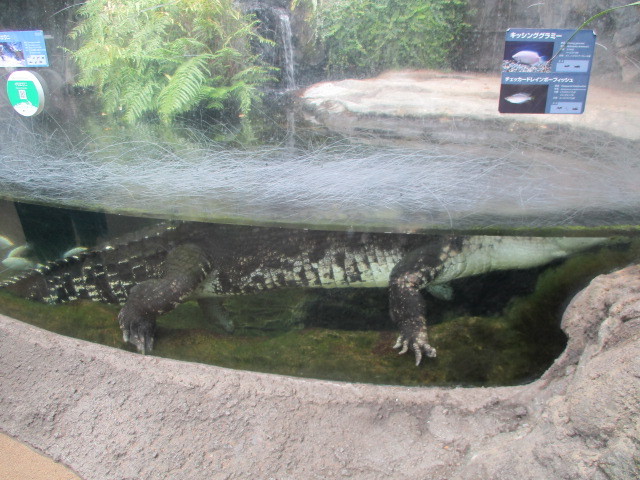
544 72
23 49
25 92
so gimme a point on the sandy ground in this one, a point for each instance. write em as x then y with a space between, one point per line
19 462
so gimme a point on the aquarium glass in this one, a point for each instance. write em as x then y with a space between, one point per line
302 177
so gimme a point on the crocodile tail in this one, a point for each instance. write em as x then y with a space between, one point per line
106 273
49 283
32 286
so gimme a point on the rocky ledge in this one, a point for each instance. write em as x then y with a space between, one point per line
440 100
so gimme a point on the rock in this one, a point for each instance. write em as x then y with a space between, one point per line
453 108
586 424
600 317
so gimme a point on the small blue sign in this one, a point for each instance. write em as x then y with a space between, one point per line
23 49
543 72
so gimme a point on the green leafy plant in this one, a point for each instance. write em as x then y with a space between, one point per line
365 37
313 4
166 57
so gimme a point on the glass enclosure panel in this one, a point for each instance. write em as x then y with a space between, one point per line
312 180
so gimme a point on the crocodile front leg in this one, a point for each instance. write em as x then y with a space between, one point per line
185 268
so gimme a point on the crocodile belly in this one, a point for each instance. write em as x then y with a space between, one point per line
367 266
482 254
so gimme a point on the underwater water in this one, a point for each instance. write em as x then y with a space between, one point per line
495 174
494 328
302 214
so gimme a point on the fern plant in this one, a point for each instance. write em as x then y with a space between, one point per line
166 57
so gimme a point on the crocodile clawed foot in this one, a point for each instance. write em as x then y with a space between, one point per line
138 332
418 343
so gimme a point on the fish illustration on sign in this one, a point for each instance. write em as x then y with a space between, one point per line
528 57
519 98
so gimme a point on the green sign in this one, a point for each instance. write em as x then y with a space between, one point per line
26 93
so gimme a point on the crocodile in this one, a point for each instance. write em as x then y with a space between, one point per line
151 271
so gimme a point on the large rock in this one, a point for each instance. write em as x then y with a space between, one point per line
439 108
584 421
112 414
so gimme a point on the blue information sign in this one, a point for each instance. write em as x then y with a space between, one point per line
543 73
23 49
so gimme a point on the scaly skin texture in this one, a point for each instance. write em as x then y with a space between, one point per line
153 271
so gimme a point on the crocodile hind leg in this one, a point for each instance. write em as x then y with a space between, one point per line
407 305
407 308
213 309
184 269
